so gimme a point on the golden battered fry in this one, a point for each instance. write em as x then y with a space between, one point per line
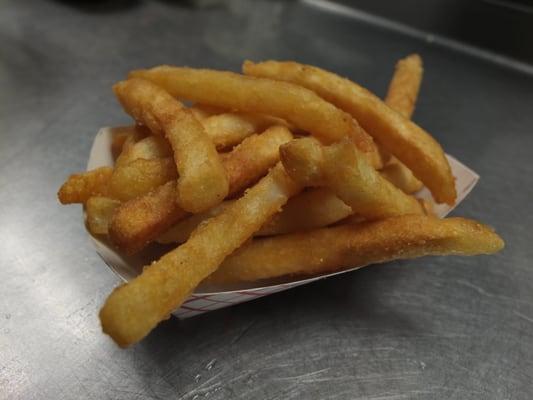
140 220
140 177
313 209
149 148
405 140
401 97
309 210
202 181
79 187
135 308
123 136
293 103
405 85
253 157
401 177
229 129
341 167
98 211
245 165
353 246
181 232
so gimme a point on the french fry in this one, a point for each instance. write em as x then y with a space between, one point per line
137 222
229 129
405 85
99 211
401 97
308 210
202 182
152 221
356 245
295 104
79 187
315 208
148 148
123 136
181 232
135 308
401 176
253 157
140 176
404 139
137 134
341 167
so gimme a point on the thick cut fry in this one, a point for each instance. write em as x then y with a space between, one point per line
309 210
242 171
352 246
139 221
401 177
315 208
140 177
405 85
202 181
401 97
295 104
98 211
123 136
135 308
345 171
137 134
181 232
79 187
149 148
229 129
405 140
253 157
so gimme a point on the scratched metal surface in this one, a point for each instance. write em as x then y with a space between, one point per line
437 328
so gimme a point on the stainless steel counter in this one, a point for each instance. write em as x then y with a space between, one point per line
435 328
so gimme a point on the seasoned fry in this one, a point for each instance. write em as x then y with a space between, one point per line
341 168
123 135
149 148
140 177
229 129
202 181
181 232
293 103
405 85
242 171
401 177
309 210
79 187
135 308
253 157
405 140
99 211
315 208
139 221
356 245
401 97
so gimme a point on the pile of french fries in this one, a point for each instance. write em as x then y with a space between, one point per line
285 169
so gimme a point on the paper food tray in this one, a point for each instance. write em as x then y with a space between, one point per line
211 298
